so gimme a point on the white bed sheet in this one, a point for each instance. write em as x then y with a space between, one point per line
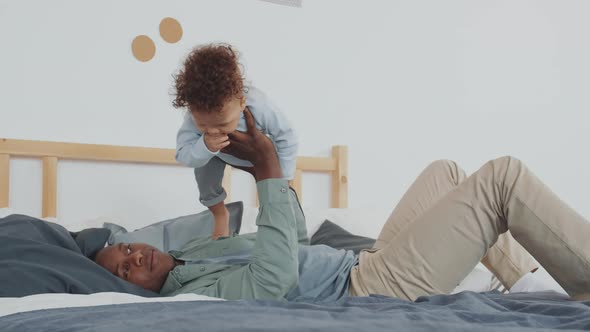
12 305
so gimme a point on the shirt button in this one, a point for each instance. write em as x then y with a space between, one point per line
203 269
283 190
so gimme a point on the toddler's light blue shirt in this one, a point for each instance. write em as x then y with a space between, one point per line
192 151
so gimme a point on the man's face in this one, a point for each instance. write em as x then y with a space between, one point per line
137 263
223 122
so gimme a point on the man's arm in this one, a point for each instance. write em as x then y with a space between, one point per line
273 271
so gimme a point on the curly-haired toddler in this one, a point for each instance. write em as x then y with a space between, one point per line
210 85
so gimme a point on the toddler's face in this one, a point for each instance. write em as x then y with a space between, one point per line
223 122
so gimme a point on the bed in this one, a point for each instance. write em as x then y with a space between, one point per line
466 310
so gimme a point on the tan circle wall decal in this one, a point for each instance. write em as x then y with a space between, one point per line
170 30
143 48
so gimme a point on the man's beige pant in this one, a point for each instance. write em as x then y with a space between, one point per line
446 223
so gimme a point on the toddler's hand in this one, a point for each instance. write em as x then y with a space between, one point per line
215 142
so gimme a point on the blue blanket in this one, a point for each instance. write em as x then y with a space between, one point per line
461 312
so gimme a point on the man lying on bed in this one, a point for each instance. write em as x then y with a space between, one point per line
436 235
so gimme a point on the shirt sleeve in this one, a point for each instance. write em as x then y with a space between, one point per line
273 270
191 150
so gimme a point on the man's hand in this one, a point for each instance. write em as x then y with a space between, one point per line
215 141
256 148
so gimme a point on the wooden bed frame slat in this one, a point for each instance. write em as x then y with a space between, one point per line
52 152
4 180
340 177
77 151
317 164
49 187
296 184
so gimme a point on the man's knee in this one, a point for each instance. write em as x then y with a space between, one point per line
443 163
448 167
507 162
508 159
505 169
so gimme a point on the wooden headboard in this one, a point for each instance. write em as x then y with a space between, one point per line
51 152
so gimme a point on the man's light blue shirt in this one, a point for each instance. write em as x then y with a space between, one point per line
324 272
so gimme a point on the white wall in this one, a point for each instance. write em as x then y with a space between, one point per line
400 82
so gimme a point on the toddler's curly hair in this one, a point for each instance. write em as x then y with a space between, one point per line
210 76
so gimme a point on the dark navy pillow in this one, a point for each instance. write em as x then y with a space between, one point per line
337 237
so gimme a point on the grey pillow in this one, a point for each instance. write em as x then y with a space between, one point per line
174 233
42 257
337 237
